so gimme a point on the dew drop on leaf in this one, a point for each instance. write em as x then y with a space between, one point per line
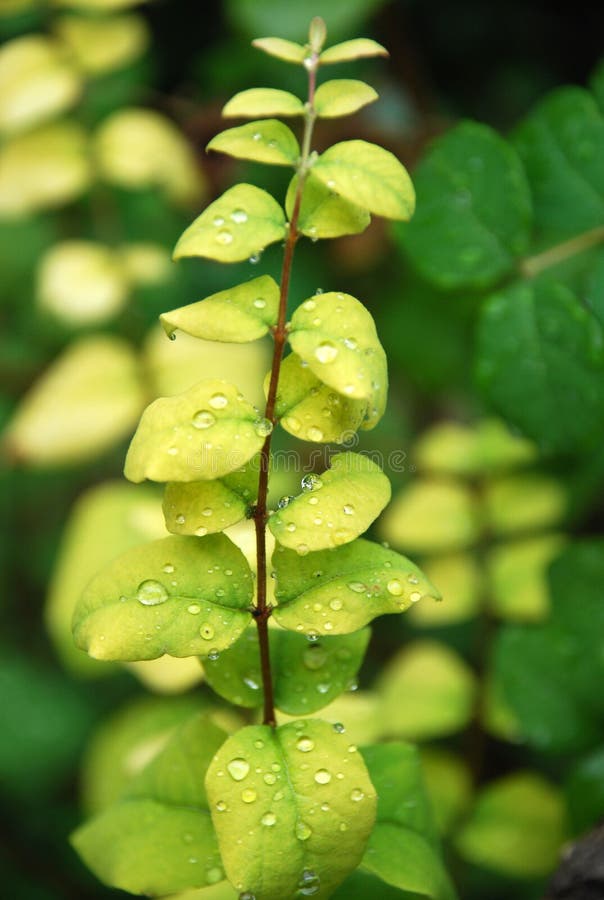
305 744
326 352
248 795
395 587
303 832
238 769
239 216
322 776
218 401
151 593
269 819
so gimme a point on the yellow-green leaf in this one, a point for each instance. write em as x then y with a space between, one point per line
263 102
302 821
204 507
310 410
355 712
243 313
282 49
354 49
237 226
450 448
460 581
324 214
267 141
199 435
334 508
335 335
103 44
524 502
87 400
342 97
517 573
340 590
369 176
158 838
449 784
170 596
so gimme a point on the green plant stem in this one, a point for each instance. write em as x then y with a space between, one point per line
534 265
262 610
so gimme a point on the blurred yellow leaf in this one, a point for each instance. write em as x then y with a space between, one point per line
457 576
450 448
357 712
525 502
449 786
517 573
98 5
146 264
167 674
100 45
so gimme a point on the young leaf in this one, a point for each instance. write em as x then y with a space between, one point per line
306 676
201 434
473 215
243 313
170 596
334 508
369 176
158 838
324 214
517 577
279 798
403 847
310 410
338 591
524 502
282 49
460 580
342 97
269 141
237 226
263 102
204 507
335 335
354 49
450 448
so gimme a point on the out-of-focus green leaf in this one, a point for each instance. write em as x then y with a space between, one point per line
263 102
449 786
517 577
342 97
460 581
268 141
281 48
324 214
585 791
596 84
356 712
342 18
450 448
357 48
102 44
524 502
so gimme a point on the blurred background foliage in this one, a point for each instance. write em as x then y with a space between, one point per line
105 109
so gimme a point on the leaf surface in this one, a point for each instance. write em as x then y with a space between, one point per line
268 141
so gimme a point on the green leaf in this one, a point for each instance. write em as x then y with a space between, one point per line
540 363
439 692
432 516
335 335
282 49
516 827
342 97
71 414
205 507
101 45
517 577
473 215
172 596
240 314
524 502
450 448
355 712
268 141
302 820
324 214
237 226
263 102
585 791
310 410
449 786
334 508
403 847
369 176
158 838
306 675
561 143
328 592
354 49
460 580
201 434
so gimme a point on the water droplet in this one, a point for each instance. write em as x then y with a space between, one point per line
413 579
218 401
315 434
352 748
247 895
311 482
348 510
331 184
337 726
309 305
309 884
290 527
224 237
255 258
269 778
213 655
173 451
357 586
180 520
335 604
292 424
269 819
357 795
263 427
201 531
239 216
326 352
303 832
415 596
257 136
248 795
214 875
322 776
284 502
259 303
314 657
238 769
305 744
302 549
217 221
350 343
395 587
151 593
221 806
206 632
194 609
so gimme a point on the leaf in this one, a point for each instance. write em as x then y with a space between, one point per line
460 580
355 712
473 215
271 843
342 97
97 5
540 363
282 49
263 102
517 577
324 214
102 45
432 516
240 314
438 687
199 435
524 502
306 676
585 791
561 143
516 827
238 225
354 49
268 141
328 592
403 847
335 335
450 448
71 414
205 507
310 410
170 596
334 508
449 785
369 176
158 838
